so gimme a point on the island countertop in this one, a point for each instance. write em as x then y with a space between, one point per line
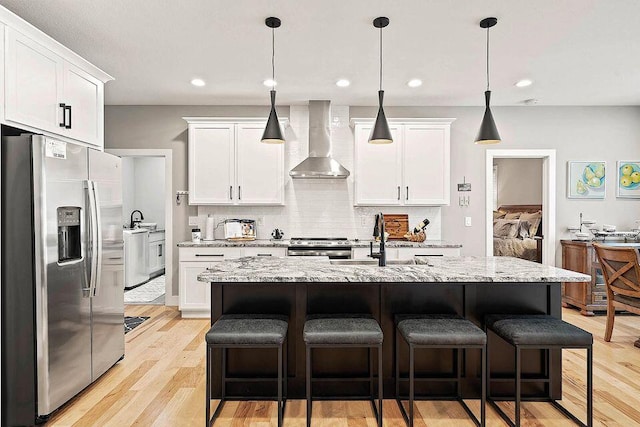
271 243
437 269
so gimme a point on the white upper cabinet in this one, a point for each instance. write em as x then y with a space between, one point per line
378 169
84 96
413 170
48 89
228 165
33 83
211 163
260 172
426 165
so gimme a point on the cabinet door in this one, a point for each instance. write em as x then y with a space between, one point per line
195 296
33 83
426 165
377 169
260 174
85 97
211 164
154 257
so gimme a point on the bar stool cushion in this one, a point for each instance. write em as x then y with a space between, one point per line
342 329
444 330
538 330
248 329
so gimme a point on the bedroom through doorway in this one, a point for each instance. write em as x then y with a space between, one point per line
521 204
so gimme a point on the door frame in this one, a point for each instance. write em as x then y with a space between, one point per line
167 154
548 157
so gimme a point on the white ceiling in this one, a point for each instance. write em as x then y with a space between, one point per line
577 52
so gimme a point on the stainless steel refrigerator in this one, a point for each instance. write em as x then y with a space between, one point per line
62 273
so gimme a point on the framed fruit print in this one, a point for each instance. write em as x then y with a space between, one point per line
628 179
586 179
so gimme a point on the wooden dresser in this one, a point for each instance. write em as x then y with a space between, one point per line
587 296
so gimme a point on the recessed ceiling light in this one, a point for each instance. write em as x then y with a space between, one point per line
414 83
270 82
524 83
197 82
343 83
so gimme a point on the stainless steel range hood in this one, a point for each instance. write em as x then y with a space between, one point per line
319 164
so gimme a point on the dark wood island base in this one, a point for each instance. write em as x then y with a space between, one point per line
384 300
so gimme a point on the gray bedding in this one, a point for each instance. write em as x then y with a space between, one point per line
514 247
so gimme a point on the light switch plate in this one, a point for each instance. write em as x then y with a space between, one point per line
193 220
467 221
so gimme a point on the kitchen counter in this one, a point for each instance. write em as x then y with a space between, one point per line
440 269
268 243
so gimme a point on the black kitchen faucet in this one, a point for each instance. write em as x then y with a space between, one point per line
382 255
133 222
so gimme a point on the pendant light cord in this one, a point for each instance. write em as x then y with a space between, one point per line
273 56
487 58
380 58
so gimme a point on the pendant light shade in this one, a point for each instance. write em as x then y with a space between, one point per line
488 133
380 134
272 132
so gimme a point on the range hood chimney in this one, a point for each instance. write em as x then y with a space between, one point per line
319 164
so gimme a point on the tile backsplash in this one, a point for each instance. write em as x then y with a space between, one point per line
319 208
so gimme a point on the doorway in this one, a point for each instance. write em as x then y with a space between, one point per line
147 219
545 238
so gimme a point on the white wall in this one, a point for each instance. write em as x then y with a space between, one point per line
320 208
143 179
519 181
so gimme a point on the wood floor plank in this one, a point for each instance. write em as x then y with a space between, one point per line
161 383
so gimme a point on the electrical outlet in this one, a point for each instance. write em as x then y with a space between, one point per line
467 221
193 220
461 200
260 221
363 221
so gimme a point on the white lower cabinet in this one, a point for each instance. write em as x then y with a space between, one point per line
195 296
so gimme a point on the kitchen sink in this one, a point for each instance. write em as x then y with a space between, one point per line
371 262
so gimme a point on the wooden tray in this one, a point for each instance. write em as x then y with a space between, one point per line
397 225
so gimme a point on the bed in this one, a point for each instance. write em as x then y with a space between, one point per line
518 237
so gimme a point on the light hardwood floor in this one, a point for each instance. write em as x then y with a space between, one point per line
161 383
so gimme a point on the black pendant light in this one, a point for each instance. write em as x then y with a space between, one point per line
380 134
488 133
272 132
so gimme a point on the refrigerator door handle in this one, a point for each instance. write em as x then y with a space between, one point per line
93 237
98 241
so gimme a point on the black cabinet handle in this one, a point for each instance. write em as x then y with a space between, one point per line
159 250
68 107
407 192
429 255
215 255
264 254
231 192
239 193
398 192
64 115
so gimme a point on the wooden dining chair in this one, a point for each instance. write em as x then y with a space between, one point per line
621 272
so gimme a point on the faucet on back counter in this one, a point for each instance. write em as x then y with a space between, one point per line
133 222
381 256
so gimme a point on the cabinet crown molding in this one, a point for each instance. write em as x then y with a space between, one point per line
16 22
284 121
404 121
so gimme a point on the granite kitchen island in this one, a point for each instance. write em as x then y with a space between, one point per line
471 287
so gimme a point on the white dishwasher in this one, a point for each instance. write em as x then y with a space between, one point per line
136 254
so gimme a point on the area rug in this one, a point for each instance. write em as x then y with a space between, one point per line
130 323
149 293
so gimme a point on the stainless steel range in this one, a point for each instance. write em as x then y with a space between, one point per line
333 247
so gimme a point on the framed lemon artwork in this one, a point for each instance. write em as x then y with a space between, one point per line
628 179
586 180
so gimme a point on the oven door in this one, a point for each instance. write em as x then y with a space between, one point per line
343 253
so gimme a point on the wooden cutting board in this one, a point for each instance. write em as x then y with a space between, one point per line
397 225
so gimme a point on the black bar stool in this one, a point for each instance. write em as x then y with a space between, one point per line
439 332
247 331
344 331
541 332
